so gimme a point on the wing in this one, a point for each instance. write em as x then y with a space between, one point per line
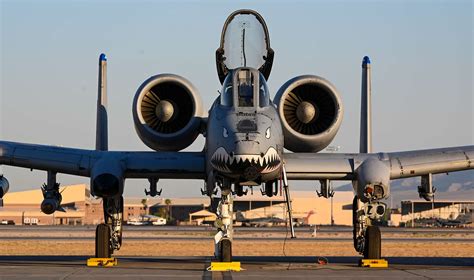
306 166
179 165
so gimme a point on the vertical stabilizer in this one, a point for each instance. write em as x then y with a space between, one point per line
101 141
366 109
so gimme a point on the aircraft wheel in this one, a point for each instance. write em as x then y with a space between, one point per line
355 221
102 240
239 190
225 251
373 243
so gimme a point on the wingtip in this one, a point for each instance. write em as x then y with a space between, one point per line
365 61
102 57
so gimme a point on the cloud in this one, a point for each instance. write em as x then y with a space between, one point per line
410 182
454 187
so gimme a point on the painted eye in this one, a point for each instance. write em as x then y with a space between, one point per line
225 133
267 133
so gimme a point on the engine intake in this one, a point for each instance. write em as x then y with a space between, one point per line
311 112
167 112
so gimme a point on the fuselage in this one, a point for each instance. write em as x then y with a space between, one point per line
244 140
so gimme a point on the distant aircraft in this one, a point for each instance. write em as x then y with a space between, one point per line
258 222
460 221
246 133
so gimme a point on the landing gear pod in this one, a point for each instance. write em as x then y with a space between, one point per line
4 186
244 43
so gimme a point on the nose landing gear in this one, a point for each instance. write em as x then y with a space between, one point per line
223 238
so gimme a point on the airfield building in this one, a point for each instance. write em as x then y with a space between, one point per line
81 208
442 213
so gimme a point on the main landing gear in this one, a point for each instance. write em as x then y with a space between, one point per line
108 236
367 237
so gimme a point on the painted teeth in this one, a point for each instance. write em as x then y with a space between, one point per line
221 160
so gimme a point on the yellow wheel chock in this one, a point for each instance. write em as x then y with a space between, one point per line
103 262
378 263
225 266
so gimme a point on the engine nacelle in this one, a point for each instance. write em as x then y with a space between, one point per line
167 112
373 180
310 111
4 186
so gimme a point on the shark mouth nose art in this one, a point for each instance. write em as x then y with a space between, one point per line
224 162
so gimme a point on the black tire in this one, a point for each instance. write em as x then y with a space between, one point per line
354 221
269 188
373 243
102 241
239 190
225 251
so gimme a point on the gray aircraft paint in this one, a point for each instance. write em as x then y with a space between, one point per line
366 108
102 141
231 141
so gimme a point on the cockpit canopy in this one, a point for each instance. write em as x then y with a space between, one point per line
244 43
245 88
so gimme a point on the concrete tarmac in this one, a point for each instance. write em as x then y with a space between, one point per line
326 229
209 238
73 267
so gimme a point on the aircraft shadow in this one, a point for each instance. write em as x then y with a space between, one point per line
437 261
79 260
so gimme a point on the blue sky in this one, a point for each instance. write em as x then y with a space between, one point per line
421 53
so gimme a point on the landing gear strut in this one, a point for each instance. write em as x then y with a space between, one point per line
223 238
367 237
108 236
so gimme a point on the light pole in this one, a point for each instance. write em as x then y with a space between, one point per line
332 215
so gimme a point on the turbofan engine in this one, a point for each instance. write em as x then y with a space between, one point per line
311 113
167 112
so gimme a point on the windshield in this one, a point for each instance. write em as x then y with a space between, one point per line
245 82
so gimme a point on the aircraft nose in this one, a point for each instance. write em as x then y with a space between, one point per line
236 162
246 146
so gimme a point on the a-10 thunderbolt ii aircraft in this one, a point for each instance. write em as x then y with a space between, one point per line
246 133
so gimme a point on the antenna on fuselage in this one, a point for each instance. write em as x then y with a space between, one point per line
101 140
366 108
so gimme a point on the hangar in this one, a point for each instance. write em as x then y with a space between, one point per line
81 208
